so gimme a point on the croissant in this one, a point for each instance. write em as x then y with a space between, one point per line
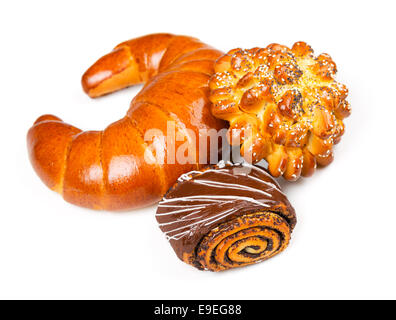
226 216
282 104
109 169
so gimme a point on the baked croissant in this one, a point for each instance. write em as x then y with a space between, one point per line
282 104
107 169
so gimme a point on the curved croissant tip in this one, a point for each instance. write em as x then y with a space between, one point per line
114 71
47 117
91 79
84 83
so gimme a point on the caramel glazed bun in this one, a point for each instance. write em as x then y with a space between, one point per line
282 104
107 169
226 216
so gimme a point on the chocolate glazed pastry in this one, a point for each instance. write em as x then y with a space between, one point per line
226 216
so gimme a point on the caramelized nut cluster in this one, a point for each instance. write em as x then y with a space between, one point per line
282 104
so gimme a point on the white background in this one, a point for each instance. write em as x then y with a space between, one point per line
344 243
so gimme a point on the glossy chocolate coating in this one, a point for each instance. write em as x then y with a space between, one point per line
202 200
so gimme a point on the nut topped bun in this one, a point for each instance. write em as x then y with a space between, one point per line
283 105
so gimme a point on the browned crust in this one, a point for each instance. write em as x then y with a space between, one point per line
289 102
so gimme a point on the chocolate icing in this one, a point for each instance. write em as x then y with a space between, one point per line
202 200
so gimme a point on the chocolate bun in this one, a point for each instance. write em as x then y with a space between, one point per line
226 216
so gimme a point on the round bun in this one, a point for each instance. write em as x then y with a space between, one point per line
283 105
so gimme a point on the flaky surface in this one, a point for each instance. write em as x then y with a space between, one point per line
283 105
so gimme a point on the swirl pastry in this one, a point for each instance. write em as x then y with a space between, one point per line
282 104
226 216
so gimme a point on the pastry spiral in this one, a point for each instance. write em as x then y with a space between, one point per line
226 216
282 104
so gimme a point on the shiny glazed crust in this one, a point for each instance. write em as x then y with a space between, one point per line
283 105
226 216
108 169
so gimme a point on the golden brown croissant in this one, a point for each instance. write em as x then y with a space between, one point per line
107 169
283 105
